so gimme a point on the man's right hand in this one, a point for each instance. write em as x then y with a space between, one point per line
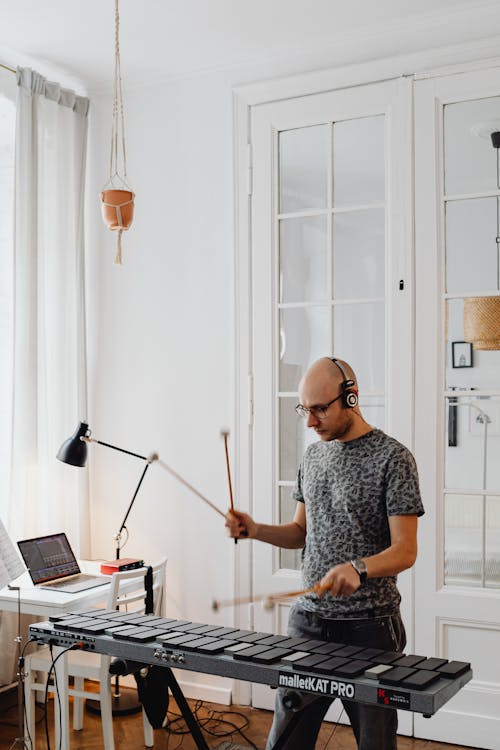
240 525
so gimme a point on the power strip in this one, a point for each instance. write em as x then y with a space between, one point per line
231 746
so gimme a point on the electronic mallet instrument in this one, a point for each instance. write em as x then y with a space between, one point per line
367 675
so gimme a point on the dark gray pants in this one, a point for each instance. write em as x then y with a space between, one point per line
374 727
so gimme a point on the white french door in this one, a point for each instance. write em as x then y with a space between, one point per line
457 211
331 273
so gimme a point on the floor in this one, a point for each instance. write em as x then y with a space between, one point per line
253 723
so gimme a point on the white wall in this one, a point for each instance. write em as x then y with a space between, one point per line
161 338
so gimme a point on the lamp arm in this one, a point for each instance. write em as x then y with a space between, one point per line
88 439
149 460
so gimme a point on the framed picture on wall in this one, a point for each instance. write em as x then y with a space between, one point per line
461 354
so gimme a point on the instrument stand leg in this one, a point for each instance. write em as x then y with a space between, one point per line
280 742
186 711
20 741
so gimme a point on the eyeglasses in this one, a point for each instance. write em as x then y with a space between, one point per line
316 411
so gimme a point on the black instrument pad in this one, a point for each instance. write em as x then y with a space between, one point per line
180 640
216 647
293 642
330 665
143 636
309 662
328 648
248 653
353 668
310 645
348 650
177 624
421 679
147 620
199 640
272 655
96 627
253 637
200 629
432 663
222 632
78 624
238 635
396 675
454 669
273 640
411 660
370 653
388 657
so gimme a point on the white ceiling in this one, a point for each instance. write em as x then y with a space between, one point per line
163 39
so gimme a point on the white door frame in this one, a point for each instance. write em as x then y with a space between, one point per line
392 100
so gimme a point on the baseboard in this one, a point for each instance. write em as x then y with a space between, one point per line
196 690
203 692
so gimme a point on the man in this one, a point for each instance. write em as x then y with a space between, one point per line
358 502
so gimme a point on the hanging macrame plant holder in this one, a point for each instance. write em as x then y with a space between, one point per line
117 197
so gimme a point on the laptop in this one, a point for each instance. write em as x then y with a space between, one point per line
52 564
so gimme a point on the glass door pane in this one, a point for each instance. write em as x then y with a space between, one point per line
303 168
469 164
303 259
471 245
359 250
358 161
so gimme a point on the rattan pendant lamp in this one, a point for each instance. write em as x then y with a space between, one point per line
117 197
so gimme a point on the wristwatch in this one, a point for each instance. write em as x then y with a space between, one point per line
360 568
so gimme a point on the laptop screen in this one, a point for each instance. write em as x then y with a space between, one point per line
48 557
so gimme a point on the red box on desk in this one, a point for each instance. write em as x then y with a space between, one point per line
127 563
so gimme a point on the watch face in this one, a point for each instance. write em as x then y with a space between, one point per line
361 565
360 568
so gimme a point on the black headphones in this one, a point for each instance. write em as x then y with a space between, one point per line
349 398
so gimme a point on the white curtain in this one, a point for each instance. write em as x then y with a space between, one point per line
49 311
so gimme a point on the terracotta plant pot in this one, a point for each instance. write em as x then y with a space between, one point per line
117 208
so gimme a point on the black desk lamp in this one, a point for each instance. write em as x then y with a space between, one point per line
74 451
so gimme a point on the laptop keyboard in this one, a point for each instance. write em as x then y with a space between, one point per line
69 581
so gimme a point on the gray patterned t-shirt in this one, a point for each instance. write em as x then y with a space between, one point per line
349 490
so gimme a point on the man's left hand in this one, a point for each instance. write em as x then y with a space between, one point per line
342 580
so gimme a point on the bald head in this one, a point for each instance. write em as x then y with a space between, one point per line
324 373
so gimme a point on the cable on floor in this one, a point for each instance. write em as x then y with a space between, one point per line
215 723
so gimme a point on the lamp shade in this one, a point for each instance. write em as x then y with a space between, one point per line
482 322
74 450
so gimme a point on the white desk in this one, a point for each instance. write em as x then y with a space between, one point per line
44 602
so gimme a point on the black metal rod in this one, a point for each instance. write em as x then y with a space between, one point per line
182 703
122 450
130 508
287 731
20 740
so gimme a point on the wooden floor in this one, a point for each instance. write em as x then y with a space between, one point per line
129 734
